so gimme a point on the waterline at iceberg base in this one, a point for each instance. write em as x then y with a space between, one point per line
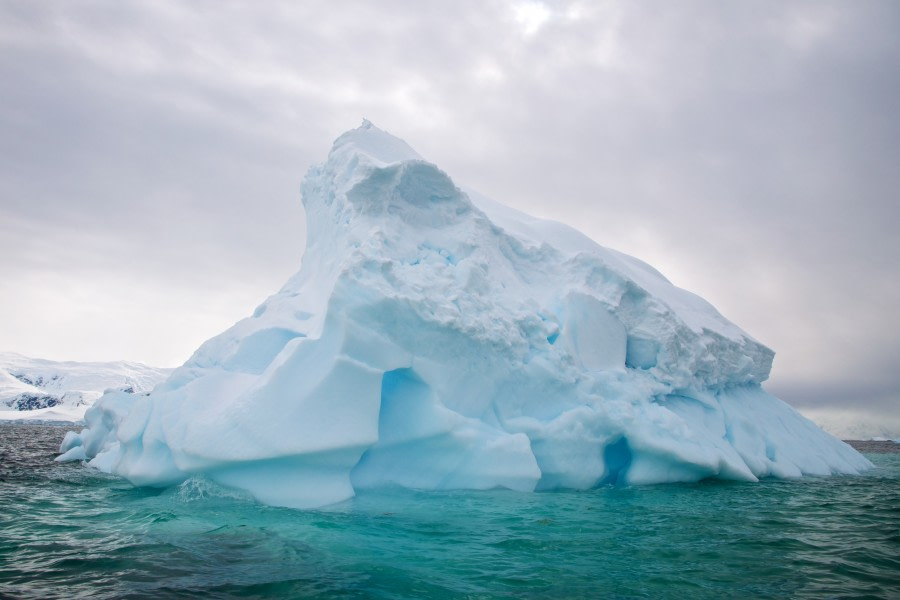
434 339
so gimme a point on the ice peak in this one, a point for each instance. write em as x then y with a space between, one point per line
374 185
378 146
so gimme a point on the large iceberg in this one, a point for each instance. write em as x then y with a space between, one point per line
434 339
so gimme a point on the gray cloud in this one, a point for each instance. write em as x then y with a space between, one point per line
746 150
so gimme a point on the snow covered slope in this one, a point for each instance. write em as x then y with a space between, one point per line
435 339
38 389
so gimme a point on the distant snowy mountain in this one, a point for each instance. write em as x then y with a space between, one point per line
39 389
849 423
435 339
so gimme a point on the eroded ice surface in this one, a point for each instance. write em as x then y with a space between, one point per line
435 339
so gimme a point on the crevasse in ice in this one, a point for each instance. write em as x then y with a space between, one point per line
435 339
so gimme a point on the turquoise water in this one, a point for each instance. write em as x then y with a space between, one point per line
70 532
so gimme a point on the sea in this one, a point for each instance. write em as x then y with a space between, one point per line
69 531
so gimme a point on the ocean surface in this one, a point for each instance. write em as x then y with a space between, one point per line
67 531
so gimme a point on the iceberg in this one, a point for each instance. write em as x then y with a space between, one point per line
435 339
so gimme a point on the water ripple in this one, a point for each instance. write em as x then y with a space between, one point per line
70 532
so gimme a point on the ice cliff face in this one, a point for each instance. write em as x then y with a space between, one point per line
434 339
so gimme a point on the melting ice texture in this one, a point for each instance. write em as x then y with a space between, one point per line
434 339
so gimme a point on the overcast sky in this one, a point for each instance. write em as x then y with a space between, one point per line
152 154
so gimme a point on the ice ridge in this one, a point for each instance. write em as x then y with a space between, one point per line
435 339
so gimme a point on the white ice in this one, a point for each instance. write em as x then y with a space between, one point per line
64 390
435 339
